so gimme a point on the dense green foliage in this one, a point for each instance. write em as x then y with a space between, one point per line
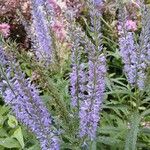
125 118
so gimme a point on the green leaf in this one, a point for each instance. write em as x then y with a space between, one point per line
3 110
1 148
111 129
146 100
1 120
12 122
108 140
131 138
34 147
117 108
93 145
145 131
19 136
145 113
3 132
46 98
9 143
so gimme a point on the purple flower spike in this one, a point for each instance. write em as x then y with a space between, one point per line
23 97
91 103
43 40
129 56
98 2
135 55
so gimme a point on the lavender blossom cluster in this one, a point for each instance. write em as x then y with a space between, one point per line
135 55
23 97
129 56
88 83
77 76
42 38
91 103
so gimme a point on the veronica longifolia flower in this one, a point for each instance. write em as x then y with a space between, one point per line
128 53
135 56
98 2
75 79
23 97
144 47
90 105
88 81
128 50
43 40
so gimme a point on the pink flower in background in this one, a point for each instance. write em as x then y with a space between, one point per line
131 25
5 29
59 29
55 6
58 25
